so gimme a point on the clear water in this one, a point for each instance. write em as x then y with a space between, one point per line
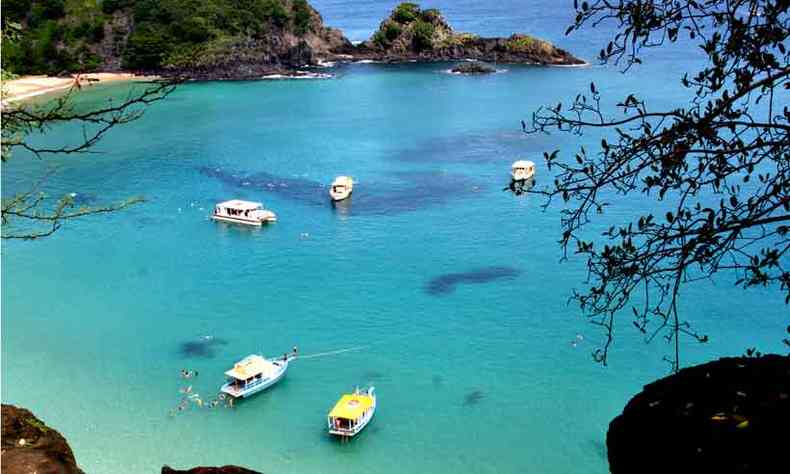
480 379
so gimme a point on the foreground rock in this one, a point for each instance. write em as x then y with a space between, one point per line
30 446
727 416
473 67
412 34
210 470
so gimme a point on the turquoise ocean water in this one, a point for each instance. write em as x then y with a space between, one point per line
477 378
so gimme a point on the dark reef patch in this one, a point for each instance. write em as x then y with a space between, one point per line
446 284
204 347
295 189
500 146
473 398
411 191
373 376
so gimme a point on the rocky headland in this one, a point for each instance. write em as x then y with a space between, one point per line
222 40
727 416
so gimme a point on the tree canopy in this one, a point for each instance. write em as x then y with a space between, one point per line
58 36
718 166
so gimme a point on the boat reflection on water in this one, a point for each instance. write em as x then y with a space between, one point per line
520 187
342 208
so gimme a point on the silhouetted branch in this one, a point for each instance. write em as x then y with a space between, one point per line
719 165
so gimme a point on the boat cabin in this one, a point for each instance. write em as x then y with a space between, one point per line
243 212
251 374
522 170
352 413
341 188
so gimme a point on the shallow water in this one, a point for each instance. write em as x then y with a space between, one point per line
486 375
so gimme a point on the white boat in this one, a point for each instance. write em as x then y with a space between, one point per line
341 188
522 170
352 413
254 374
243 212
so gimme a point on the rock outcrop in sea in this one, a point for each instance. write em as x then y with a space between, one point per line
210 470
412 34
473 67
727 416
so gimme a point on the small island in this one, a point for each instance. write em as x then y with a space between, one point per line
411 34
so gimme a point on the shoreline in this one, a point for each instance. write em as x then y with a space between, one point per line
27 87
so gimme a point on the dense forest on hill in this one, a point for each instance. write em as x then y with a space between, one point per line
56 36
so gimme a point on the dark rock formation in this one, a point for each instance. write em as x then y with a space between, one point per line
281 50
210 470
411 34
28 445
473 67
726 416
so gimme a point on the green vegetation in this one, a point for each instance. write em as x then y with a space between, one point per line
301 15
406 12
423 35
37 424
412 28
528 44
67 35
392 30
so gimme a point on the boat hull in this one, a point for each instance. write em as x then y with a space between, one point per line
234 220
521 176
228 388
340 196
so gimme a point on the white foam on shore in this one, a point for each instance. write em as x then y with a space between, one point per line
300 75
585 64
450 71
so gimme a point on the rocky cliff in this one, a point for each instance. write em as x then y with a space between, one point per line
726 416
31 446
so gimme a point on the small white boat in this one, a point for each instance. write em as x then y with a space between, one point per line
522 170
341 188
352 413
243 212
254 374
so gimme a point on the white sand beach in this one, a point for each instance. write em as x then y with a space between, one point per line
31 86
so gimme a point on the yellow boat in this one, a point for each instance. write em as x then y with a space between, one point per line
352 413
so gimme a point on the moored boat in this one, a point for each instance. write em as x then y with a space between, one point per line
254 374
341 188
243 212
522 170
352 413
